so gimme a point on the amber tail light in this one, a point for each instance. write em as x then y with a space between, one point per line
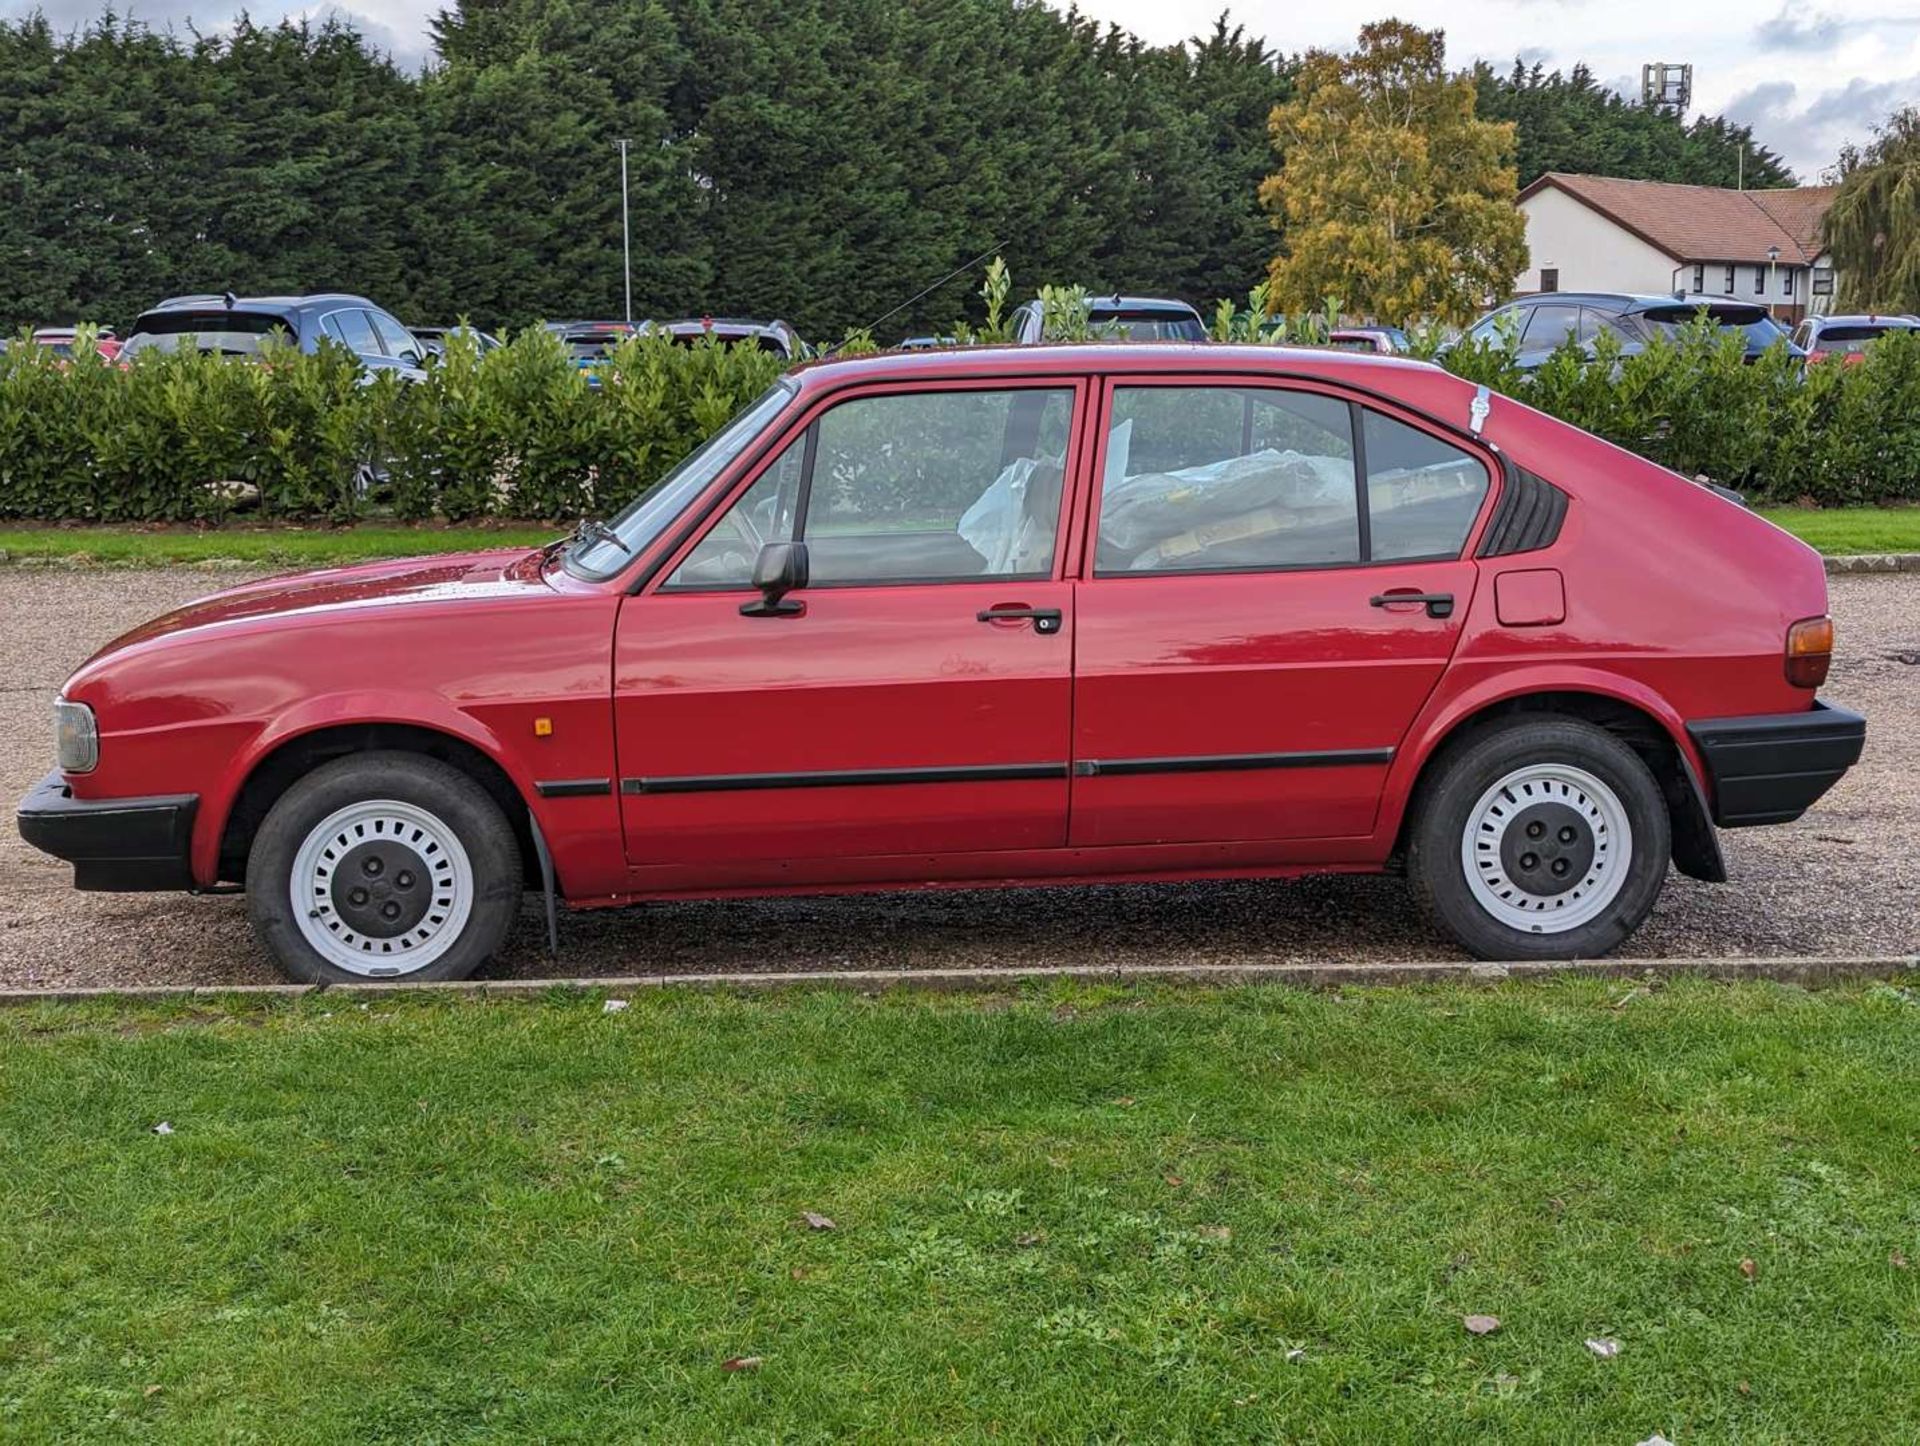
1809 650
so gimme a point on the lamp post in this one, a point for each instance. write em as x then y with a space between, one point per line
1773 257
626 233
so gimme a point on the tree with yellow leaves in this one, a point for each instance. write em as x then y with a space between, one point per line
1391 196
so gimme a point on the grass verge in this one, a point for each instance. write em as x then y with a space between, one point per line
1072 1214
268 546
1841 531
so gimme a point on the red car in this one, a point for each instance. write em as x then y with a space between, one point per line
994 616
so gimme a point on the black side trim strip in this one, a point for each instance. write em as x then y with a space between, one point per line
847 778
574 787
1526 518
1229 762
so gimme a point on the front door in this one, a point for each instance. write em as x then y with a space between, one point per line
917 700
1244 671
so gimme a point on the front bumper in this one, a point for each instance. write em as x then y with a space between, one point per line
114 844
1771 767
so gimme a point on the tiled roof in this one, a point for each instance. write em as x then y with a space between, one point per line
1704 223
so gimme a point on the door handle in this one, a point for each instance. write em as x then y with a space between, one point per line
1439 604
1045 620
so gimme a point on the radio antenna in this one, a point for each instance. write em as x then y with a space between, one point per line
918 296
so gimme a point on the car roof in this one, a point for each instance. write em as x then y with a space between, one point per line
1893 319
1199 357
212 301
1116 302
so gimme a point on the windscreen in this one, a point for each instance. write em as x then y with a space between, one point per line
1852 339
229 333
1146 325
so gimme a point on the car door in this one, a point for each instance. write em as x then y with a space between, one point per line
1275 584
916 697
1548 327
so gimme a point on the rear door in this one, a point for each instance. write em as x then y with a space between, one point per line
1275 584
919 701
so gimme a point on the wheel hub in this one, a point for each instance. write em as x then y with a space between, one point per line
1547 849
381 889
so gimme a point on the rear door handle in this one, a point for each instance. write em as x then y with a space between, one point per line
1045 620
1439 604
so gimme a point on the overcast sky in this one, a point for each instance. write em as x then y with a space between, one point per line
1807 76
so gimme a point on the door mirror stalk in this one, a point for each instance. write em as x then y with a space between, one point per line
781 568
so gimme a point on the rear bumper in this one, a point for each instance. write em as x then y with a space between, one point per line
1770 768
114 844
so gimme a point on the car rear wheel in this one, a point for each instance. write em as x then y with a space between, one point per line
383 867
1544 838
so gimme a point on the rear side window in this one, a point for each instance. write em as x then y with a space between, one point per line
398 341
1422 493
353 330
1219 479
1550 325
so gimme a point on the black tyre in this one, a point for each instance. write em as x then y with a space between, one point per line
383 866
1541 838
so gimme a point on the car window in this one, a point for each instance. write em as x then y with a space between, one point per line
353 331
398 341
1594 323
1211 479
916 487
1145 326
1548 326
1422 493
1852 339
224 333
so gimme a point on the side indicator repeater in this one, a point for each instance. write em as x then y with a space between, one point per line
543 728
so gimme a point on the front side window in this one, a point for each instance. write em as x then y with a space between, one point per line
913 487
1227 479
1211 479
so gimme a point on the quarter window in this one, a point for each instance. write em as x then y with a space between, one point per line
915 487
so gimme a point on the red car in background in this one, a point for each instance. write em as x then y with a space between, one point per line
994 616
60 339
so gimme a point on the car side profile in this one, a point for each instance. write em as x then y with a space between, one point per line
230 325
1846 338
984 617
1544 321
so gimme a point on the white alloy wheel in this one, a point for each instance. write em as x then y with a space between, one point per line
1546 849
381 888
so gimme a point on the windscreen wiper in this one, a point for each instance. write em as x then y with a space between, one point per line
591 529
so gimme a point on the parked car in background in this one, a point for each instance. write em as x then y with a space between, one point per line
773 336
1846 337
433 339
983 616
232 325
60 340
588 342
1386 340
1543 321
1118 318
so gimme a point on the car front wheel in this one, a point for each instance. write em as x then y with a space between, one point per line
383 867
1544 838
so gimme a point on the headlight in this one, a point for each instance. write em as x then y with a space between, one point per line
76 738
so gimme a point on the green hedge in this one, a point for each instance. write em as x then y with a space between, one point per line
520 432
1837 435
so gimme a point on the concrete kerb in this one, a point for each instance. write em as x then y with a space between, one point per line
1802 970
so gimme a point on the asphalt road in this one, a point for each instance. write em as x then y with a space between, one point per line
1843 880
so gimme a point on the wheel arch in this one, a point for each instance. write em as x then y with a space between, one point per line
294 755
1643 724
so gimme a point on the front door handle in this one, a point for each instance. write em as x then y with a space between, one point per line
1439 604
1045 620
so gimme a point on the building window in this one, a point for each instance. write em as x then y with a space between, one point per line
1549 278
1729 281
1699 278
1823 281
1786 281
1759 281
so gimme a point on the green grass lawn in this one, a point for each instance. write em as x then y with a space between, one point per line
1065 1215
1839 530
1835 530
272 546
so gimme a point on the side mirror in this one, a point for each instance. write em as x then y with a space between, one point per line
780 569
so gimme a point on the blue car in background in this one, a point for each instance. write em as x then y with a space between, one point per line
229 325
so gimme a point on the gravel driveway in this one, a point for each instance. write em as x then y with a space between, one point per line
1844 880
